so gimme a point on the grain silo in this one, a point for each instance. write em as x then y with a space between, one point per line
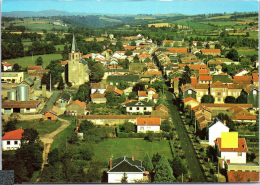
11 94
22 92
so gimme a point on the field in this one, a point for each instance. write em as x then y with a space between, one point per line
42 127
119 147
247 51
26 61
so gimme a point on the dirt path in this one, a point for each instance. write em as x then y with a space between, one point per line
47 140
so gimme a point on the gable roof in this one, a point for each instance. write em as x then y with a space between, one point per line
205 78
242 147
139 104
6 64
218 84
118 91
242 79
148 121
142 93
204 71
161 107
218 123
81 104
210 51
190 99
13 135
255 77
126 164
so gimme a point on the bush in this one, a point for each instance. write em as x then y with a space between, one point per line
149 136
128 127
166 126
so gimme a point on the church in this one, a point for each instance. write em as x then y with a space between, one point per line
77 68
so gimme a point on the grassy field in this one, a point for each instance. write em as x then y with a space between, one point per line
26 61
42 127
119 147
60 139
59 47
247 51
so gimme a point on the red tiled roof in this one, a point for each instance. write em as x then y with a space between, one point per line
128 101
143 46
169 41
155 96
118 91
218 84
243 176
82 104
129 47
242 147
6 64
34 67
142 93
242 79
87 56
205 78
151 89
210 51
148 121
110 88
93 96
20 104
193 66
243 117
204 71
189 99
13 135
226 105
255 77
175 79
161 107
193 80
114 67
178 50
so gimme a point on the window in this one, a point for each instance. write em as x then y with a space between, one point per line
8 142
254 92
229 93
219 99
189 91
239 153
144 108
130 108
137 108
141 128
16 142
219 93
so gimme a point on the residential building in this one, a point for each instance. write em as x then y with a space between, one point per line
189 101
50 115
98 88
139 107
160 110
64 100
129 167
76 108
213 52
148 124
215 131
7 66
12 77
23 107
12 140
98 98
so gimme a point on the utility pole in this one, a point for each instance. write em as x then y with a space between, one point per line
50 82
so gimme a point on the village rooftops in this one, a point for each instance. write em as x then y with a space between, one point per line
148 121
242 79
242 147
20 104
82 104
177 50
13 135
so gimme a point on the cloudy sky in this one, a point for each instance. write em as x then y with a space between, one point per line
133 6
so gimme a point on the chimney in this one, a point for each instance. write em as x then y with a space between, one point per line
133 158
110 163
225 122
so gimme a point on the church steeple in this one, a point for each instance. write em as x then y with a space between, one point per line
73 45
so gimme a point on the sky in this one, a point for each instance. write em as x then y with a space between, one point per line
188 7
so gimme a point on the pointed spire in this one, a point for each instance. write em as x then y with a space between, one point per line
73 46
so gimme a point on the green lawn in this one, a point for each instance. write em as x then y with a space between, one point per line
60 139
119 147
42 127
59 47
247 51
40 27
29 60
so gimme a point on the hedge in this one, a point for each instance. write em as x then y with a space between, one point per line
172 148
139 135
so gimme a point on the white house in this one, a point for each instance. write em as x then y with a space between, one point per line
232 154
98 87
12 140
132 169
215 131
138 107
148 124
7 66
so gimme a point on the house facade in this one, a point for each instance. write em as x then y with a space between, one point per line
12 77
129 167
139 107
76 108
12 140
23 107
148 125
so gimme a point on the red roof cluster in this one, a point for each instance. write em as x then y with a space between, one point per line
242 79
178 50
34 68
13 135
205 78
6 64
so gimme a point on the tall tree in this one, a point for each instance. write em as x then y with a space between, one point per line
147 163
243 97
178 167
207 99
163 172
39 61
97 72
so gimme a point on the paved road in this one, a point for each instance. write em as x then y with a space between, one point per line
47 140
49 104
189 152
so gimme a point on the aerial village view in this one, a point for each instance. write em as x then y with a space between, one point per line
123 91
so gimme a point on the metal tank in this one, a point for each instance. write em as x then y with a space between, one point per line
11 94
22 92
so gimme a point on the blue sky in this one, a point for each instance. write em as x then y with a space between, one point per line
133 6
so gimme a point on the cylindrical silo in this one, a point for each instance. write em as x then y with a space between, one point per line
11 94
22 92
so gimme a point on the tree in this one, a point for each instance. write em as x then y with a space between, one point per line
86 153
86 125
185 78
10 125
83 93
147 163
112 99
39 61
94 173
128 127
166 126
132 95
30 135
207 99
232 54
123 85
225 118
243 97
230 99
73 139
124 178
163 172
133 43
54 156
128 53
178 167
97 72
61 84
155 159
16 67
